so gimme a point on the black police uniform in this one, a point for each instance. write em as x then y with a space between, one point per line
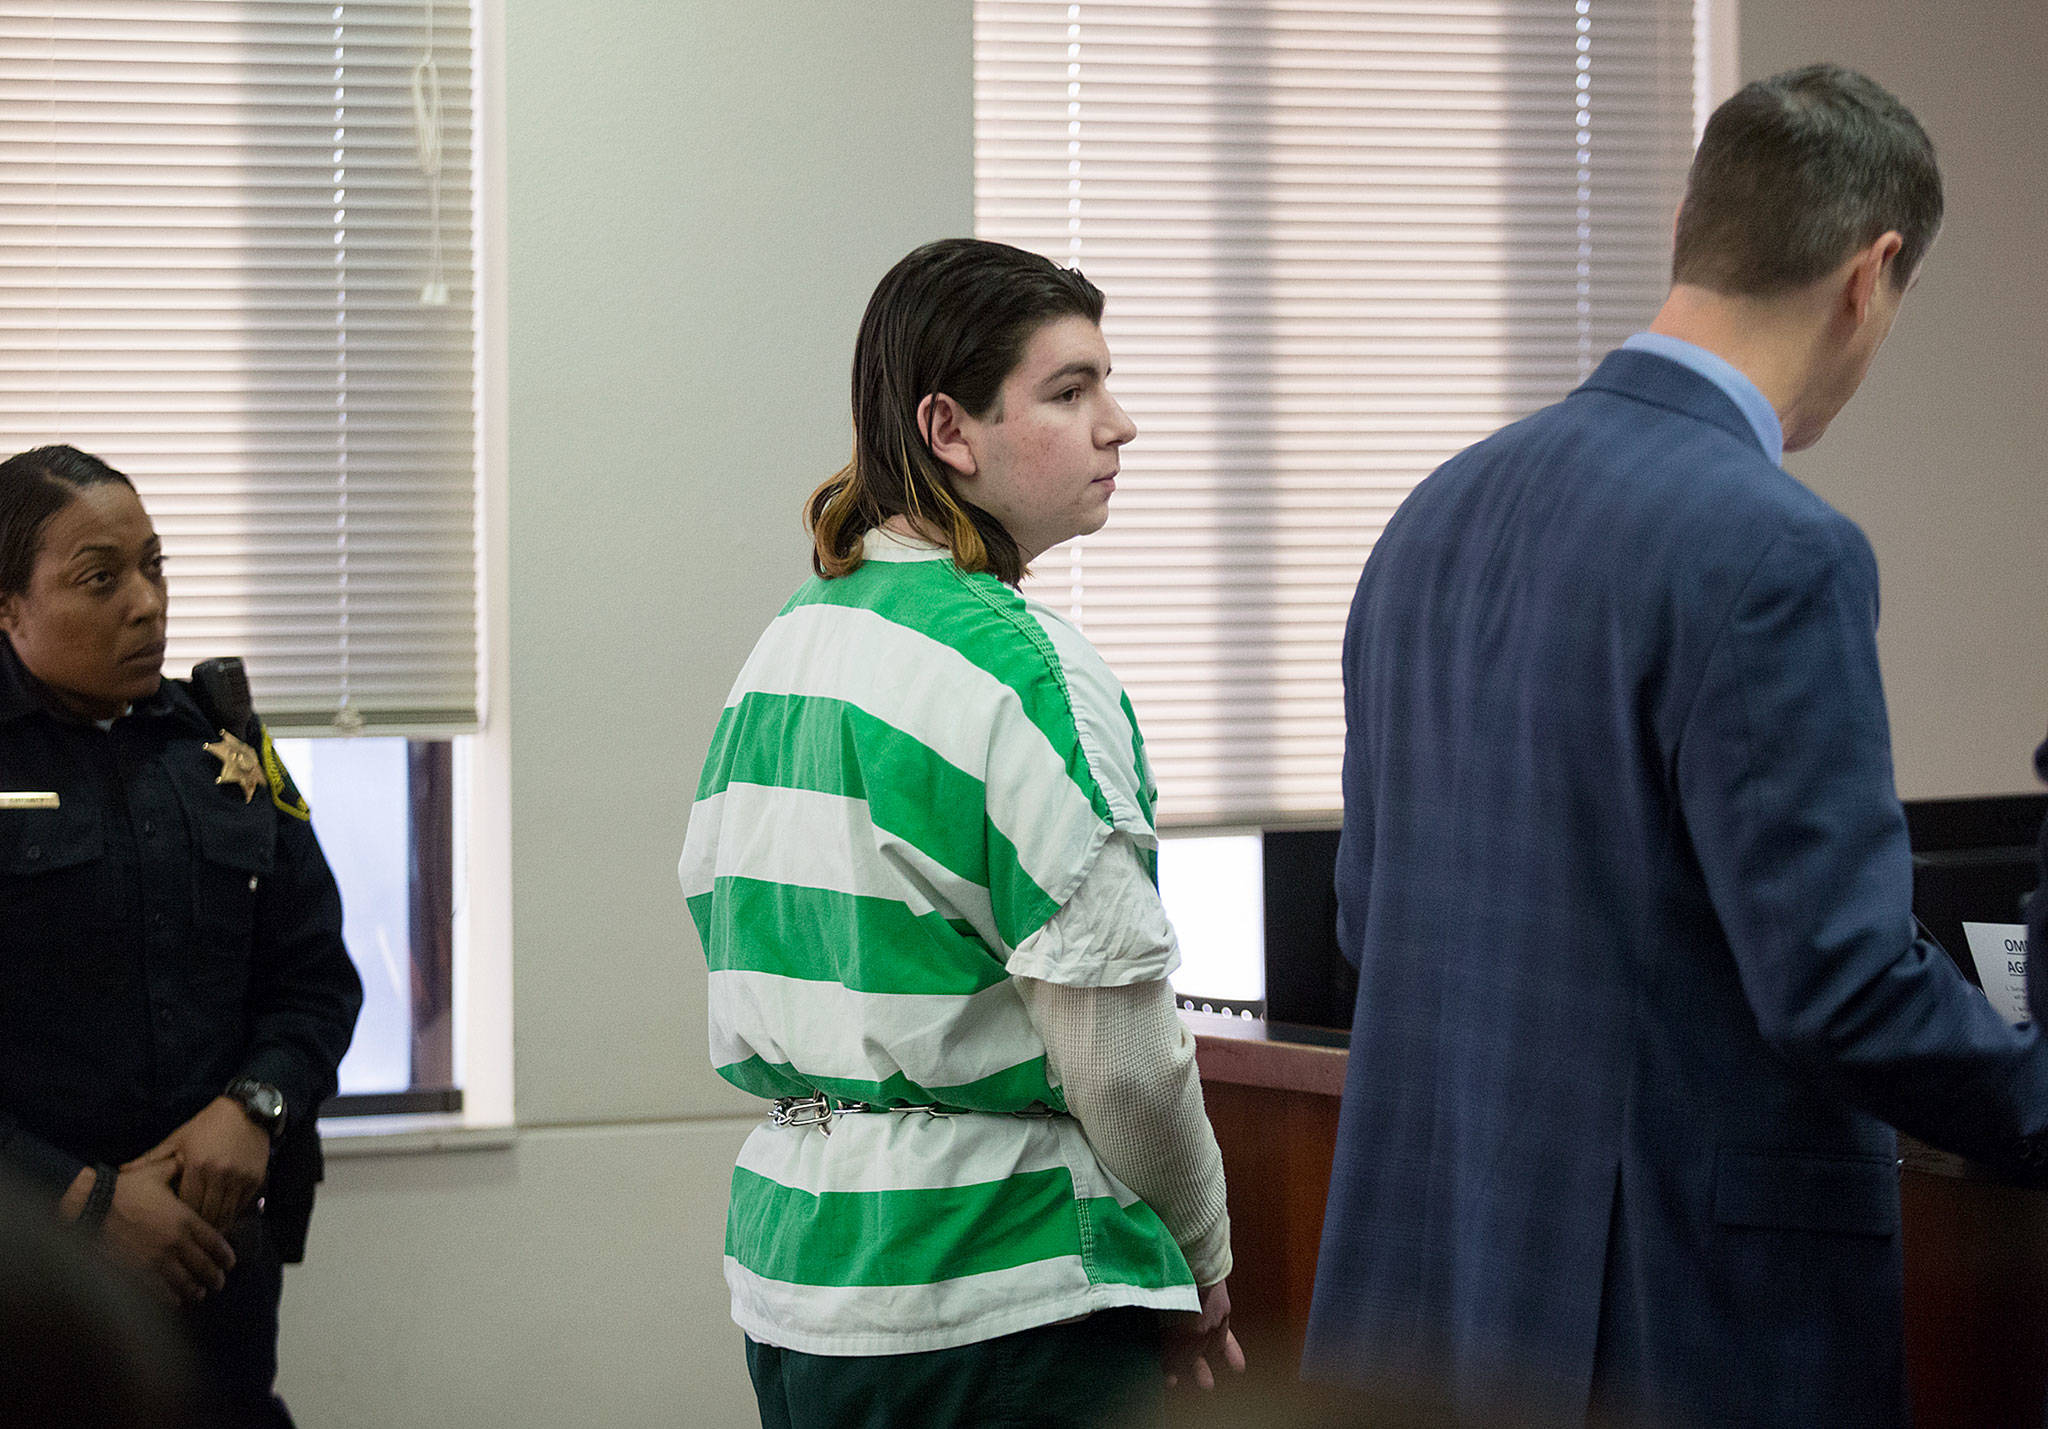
160 936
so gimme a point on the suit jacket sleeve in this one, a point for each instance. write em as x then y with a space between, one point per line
1785 782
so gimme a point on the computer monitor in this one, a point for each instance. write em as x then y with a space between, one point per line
1974 863
1308 983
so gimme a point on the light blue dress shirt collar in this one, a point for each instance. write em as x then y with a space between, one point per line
1728 377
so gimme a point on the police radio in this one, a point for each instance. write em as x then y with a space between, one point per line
222 688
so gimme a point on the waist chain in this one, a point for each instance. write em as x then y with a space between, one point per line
821 1109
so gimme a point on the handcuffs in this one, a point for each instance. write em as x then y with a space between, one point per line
819 1108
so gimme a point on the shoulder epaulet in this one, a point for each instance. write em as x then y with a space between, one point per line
283 792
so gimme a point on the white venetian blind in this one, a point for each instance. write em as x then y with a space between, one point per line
236 262
1340 242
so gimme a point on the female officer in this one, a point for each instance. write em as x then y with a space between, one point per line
921 862
174 993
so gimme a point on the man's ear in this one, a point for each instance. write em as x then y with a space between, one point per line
943 424
1869 268
10 612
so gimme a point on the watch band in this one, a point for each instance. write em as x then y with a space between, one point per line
93 1213
262 1103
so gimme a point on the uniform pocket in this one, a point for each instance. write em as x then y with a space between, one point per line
236 848
1800 1191
36 842
61 928
52 883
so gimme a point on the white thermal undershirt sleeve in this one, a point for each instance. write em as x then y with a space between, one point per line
1127 1067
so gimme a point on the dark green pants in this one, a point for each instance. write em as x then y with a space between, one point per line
1099 1373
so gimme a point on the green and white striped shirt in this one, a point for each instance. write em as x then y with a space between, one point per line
913 773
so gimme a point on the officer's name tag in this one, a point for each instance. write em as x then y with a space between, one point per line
26 799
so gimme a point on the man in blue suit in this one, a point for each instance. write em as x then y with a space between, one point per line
1623 870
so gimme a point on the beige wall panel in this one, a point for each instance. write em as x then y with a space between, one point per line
1943 456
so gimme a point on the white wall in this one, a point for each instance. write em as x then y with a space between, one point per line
1943 456
700 197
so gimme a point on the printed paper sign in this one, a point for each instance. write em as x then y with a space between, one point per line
2000 952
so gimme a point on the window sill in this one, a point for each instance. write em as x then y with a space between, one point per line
410 1135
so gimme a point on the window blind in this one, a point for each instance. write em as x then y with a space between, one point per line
1340 242
236 248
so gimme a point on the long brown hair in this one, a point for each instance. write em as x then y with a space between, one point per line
952 317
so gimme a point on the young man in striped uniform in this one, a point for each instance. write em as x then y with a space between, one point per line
923 866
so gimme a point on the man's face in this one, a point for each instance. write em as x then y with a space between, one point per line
1045 457
90 625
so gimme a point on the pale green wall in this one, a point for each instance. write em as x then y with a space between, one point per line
570 1280
700 197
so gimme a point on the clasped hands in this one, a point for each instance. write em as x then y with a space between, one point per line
173 1204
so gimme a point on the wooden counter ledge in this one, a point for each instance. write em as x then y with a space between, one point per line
1241 1052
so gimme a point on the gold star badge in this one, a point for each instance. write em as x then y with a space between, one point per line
238 765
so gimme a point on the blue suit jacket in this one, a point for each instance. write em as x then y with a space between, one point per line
1628 888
